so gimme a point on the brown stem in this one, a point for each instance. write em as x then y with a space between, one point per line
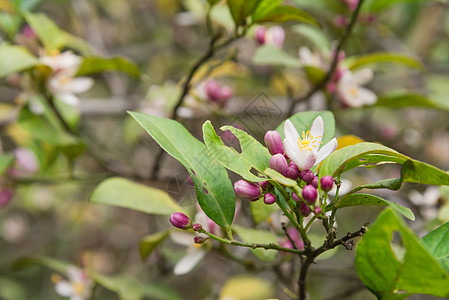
333 66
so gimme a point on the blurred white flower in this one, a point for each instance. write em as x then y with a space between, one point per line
426 201
273 36
314 59
26 162
62 81
77 287
350 90
14 228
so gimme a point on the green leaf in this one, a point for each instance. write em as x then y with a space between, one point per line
213 188
278 177
241 9
261 212
313 34
271 55
357 62
92 65
409 100
316 75
253 155
160 291
283 13
437 241
6 160
122 192
258 236
51 263
15 59
367 199
392 277
150 242
126 287
376 6
303 120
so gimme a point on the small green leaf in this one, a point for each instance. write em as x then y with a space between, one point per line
122 192
409 100
271 55
213 188
93 64
283 13
15 59
367 199
437 241
253 154
150 242
391 277
357 62
241 9
258 236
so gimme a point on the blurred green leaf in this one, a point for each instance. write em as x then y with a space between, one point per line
92 65
241 9
357 62
437 241
15 59
6 160
159 291
122 192
150 242
316 75
283 13
253 154
409 100
376 6
256 236
367 199
247 288
213 188
313 34
271 55
261 212
12 290
51 263
392 277
126 287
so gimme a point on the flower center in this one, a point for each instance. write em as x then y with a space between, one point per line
78 288
307 142
354 92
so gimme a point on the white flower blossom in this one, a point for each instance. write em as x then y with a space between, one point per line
351 91
305 150
77 287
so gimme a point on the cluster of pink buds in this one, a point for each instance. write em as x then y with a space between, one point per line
293 236
273 36
310 192
217 93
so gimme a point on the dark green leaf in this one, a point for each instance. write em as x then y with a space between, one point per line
283 13
92 65
253 154
125 193
356 62
15 59
213 188
150 242
437 242
241 9
409 100
392 277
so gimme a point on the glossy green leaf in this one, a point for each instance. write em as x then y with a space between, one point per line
283 13
253 155
437 241
122 192
15 59
367 199
392 277
357 62
214 190
303 121
241 9
93 64
409 100
257 236
150 242
271 55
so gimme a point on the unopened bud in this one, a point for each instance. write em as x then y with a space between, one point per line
199 239
5 196
317 210
304 210
314 182
269 199
276 36
247 189
327 182
309 193
279 163
180 220
306 176
295 197
273 142
197 227
213 90
292 171
263 184
260 34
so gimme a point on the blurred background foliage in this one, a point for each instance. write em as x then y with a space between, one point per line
50 213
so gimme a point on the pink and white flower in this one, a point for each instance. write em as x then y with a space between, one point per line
350 89
77 287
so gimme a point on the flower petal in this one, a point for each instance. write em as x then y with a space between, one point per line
367 96
290 132
326 150
64 288
293 152
309 162
189 261
182 238
70 99
79 84
317 131
362 76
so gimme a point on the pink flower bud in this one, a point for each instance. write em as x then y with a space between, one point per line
304 210
309 193
327 182
225 94
292 171
277 36
260 34
247 189
295 197
315 182
199 239
340 21
263 184
197 227
5 196
28 32
294 235
213 90
317 210
180 220
269 199
306 175
279 163
26 162
273 142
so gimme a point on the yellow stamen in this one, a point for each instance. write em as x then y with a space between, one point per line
354 92
308 141
78 288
